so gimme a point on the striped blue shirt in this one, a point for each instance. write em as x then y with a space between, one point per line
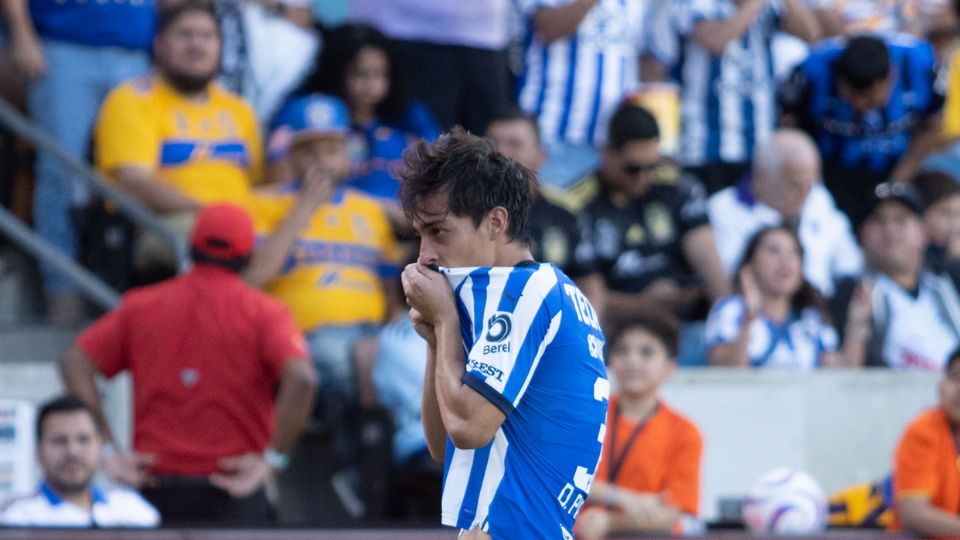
727 104
573 84
535 350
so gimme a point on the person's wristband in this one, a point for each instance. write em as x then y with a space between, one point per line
276 460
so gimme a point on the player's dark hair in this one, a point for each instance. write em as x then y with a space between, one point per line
514 114
167 16
63 404
864 62
807 296
664 329
475 177
935 186
631 123
341 46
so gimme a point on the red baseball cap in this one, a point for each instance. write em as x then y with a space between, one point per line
223 231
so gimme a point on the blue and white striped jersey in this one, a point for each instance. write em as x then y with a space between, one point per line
573 84
727 104
535 350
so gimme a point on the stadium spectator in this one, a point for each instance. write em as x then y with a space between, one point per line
329 254
913 313
456 54
358 65
495 369
776 318
221 382
581 57
558 238
926 481
648 479
648 225
870 104
940 194
853 17
68 448
727 81
73 52
784 188
174 139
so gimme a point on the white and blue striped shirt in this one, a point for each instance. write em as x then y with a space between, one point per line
535 350
116 507
573 84
728 101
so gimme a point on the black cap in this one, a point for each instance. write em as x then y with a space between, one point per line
900 192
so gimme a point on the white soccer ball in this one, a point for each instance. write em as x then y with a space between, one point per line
785 501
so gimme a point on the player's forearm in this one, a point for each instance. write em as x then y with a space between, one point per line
294 403
436 436
78 374
717 34
925 141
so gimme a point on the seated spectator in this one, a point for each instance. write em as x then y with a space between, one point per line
221 383
648 479
72 53
726 75
359 66
580 58
926 480
776 318
910 315
870 104
654 245
328 253
940 194
174 139
558 238
68 448
784 189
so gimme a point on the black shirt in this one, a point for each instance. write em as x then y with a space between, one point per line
559 239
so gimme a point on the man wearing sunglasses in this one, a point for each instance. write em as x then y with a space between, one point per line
648 224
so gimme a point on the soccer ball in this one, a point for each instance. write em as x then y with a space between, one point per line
785 501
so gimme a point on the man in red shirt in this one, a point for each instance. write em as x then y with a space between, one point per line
206 353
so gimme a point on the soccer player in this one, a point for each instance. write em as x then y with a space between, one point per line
515 391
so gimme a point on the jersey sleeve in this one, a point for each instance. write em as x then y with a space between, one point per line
105 341
124 134
691 205
683 480
281 340
723 322
793 94
915 467
512 338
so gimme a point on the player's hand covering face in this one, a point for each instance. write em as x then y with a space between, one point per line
430 298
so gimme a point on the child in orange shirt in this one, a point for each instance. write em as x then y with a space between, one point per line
649 473
926 469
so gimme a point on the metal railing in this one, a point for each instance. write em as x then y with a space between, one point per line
89 285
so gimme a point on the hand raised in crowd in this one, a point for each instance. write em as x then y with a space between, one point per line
242 475
318 185
752 297
129 467
860 311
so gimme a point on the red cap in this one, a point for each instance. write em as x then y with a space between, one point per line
223 231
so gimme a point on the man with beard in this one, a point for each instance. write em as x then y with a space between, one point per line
174 139
68 448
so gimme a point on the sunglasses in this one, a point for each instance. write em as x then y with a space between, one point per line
634 169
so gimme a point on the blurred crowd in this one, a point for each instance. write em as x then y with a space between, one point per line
777 178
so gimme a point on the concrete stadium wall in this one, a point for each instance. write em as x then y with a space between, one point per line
840 426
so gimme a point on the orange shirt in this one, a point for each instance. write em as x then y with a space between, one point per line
663 458
926 463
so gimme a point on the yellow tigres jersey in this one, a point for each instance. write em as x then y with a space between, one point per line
334 272
210 151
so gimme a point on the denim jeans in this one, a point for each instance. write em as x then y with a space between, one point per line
65 103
